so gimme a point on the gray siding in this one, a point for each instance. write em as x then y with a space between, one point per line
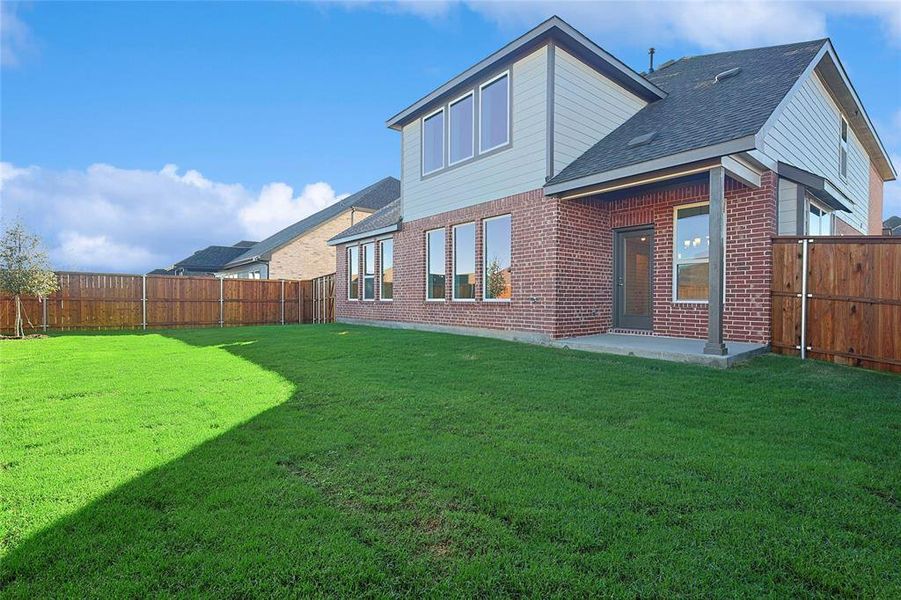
587 106
514 170
807 135
788 207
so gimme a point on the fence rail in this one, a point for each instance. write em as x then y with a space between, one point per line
114 301
838 299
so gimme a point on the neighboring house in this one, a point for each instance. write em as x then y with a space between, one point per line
301 251
206 262
551 191
892 226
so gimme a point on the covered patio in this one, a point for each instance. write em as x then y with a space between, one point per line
684 350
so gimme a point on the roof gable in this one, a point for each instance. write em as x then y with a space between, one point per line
372 197
555 29
699 111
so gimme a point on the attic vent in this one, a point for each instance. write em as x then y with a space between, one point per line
728 74
641 140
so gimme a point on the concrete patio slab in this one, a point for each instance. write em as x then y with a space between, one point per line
664 348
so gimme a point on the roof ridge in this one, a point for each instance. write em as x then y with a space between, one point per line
803 42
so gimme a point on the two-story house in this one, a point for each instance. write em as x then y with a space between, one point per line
551 191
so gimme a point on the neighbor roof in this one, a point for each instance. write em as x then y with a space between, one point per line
698 111
211 258
563 34
373 197
382 221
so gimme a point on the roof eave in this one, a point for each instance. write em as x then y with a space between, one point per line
337 241
555 28
741 144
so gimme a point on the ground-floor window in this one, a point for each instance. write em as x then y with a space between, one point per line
435 268
497 282
819 220
691 253
464 261
369 271
386 256
353 273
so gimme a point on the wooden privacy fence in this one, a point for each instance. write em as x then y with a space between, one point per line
112 301
323 291
838 299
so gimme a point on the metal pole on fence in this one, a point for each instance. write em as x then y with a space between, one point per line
804 250
44 311
283 302
221 304
144 302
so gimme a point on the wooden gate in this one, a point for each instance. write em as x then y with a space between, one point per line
838 299
323 290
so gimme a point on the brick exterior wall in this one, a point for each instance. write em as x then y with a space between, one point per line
841 227
310 255
562 272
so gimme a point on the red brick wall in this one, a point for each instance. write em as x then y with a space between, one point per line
563 265
531 308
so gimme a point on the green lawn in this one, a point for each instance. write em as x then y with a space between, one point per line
338 460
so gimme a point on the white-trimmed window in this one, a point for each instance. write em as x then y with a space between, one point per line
386 256
691 253
435 267
497 280
819 220
369 271
843 149
433 142
461 116
464 249
353 273
494 113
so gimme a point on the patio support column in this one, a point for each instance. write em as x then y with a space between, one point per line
715 343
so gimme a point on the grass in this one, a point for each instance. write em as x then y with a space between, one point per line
340 461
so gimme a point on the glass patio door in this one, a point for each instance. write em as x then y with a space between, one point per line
634 278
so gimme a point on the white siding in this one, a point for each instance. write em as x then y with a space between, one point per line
807 135
587 106
514 170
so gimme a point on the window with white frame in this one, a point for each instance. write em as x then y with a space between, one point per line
494 113
497 280
386 257
353 273
460 124
464 262
691 253
369 271
435 267
843 149
819 220
433 142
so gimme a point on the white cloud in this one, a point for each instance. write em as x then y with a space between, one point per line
709 25
16 40
110 219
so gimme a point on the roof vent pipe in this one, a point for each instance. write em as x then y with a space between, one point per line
651 54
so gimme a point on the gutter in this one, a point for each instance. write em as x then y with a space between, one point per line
337 241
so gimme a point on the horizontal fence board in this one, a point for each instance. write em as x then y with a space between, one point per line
115 301
853 303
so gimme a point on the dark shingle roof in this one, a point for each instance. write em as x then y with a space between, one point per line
244 244
390 215
210 258
698 111
372 197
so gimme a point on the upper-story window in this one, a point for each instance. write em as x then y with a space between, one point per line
433 142
494 113
843 150
462 115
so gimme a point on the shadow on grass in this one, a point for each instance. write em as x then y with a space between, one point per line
408 463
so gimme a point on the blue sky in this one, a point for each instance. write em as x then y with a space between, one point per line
265 112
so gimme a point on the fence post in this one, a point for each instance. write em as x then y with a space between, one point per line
144 302
299 301
221 304
283 302
804 249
